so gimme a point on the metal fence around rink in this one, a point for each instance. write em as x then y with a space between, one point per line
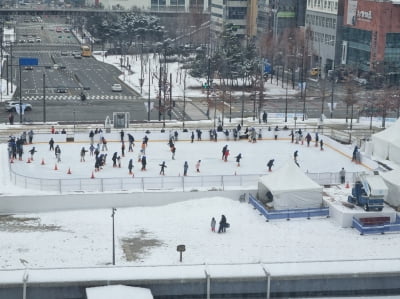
162 183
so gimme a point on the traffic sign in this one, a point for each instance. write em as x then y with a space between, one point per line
28 61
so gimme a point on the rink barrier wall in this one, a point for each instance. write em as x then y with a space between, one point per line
163 183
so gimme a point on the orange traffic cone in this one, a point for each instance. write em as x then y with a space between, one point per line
29 160
55 167
347 185
69 171
92 176
42 162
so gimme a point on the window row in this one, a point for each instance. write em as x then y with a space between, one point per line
321 21
323 38
328 5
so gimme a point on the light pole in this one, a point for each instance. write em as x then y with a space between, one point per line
113 235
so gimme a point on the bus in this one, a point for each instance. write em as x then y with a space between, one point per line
85 51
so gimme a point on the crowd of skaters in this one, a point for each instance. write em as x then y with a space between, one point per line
98 147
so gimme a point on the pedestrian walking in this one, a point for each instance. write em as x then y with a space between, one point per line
199 132
192 137
130 166
145 140
119 161
213 223
163 166
316 139
185 168
238 158
122 134
83 153
51 144
342 174
321 144
198 166
270 164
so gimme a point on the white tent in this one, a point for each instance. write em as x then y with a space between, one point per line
392 180
386 144
118 292
290 188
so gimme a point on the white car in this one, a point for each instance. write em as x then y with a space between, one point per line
116 87
12 106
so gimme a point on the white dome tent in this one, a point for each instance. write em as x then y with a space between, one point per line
386 144
290 188
392 180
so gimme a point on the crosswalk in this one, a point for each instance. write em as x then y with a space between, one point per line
77 97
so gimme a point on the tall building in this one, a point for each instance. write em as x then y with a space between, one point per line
323 20
371 36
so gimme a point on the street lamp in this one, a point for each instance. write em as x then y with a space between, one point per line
113 235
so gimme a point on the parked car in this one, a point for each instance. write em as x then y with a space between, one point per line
12 106
116 87
28 67
61 89
77 55
64 53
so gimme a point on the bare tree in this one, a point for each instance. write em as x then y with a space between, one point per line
350 99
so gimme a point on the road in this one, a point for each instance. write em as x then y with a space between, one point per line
59 70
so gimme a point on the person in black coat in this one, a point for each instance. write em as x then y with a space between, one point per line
144 162
122 134
238 158
185 168
32 152
222 224
192 137
163 166
270 164
51 143
114 159
224 151
130 166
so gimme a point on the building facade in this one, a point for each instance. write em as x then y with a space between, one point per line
371 36
323 20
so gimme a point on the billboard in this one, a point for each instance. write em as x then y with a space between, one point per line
351 12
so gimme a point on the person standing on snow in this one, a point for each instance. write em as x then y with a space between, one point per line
192 137
238 158
83 152
270 164
104 144
130 166
173 150
222 224
91 137
198 166
32 152
185 168
131 140
321 144
30 136
123 149
114 159
163 166
292 135
144 162
122 134
57 152
295 155
224 151
226 155
342 174
213 223
308 139
51 143
354 157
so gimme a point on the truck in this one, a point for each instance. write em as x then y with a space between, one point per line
369 192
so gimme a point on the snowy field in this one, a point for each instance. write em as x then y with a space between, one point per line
149 235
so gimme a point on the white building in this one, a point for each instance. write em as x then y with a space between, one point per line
154 5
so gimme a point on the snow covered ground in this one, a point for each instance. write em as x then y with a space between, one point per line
149 235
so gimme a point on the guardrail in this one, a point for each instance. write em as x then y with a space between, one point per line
143 184
376 229
288 213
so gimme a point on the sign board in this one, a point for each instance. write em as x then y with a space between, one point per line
28 61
